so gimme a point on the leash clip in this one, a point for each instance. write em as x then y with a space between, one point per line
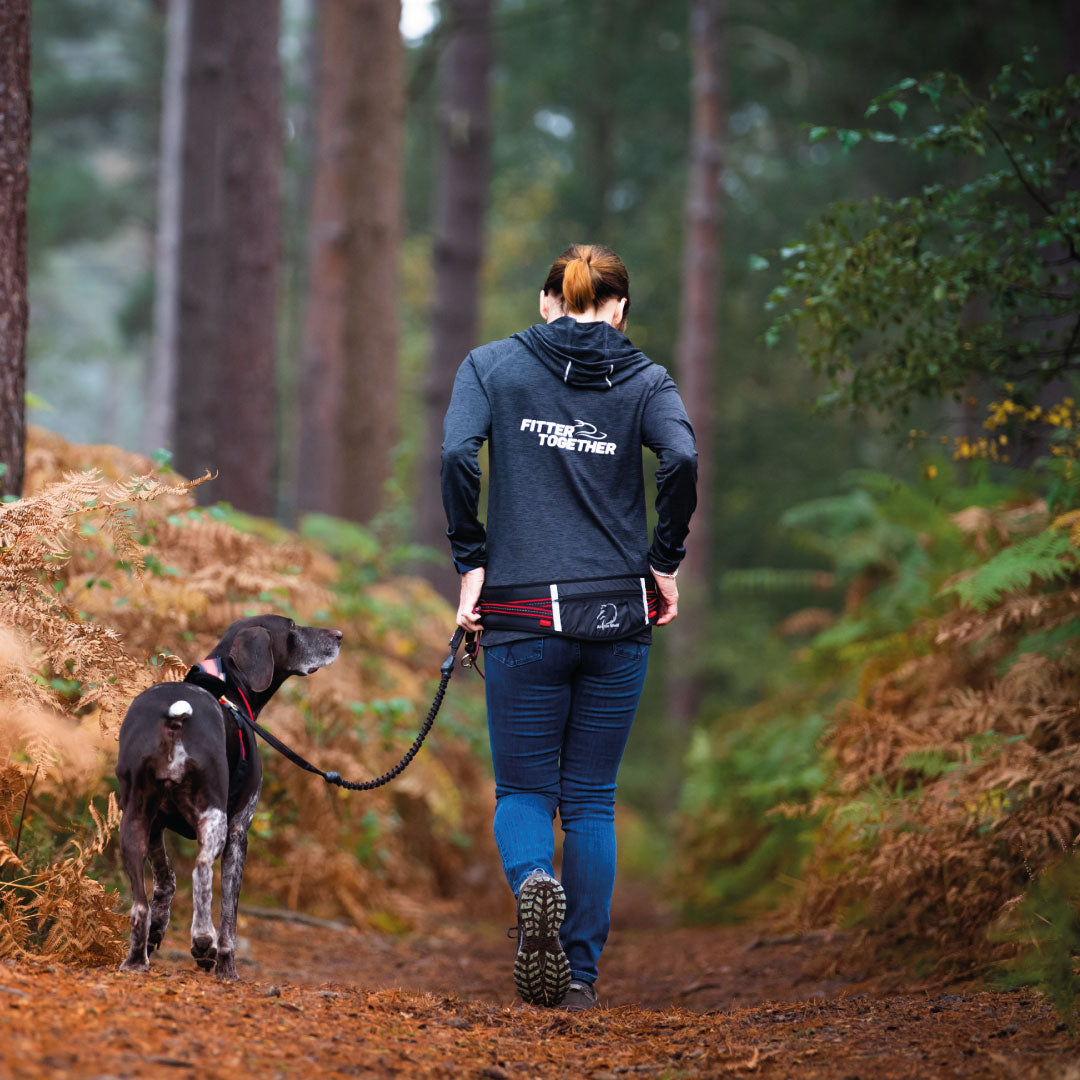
472 650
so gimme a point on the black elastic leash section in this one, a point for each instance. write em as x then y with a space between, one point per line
447 669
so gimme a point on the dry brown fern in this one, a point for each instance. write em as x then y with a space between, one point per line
956 781
88 630
37 536
60 912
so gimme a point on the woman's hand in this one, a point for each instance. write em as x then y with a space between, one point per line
667 599
467 613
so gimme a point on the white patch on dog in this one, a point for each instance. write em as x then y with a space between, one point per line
177 761
180 708
212 829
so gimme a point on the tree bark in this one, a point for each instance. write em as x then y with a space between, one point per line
322 369
14 176
696 347
367 429
161 388
348 385
198 351
245 418
230 236
464 134
598 114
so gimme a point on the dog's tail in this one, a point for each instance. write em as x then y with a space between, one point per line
178 712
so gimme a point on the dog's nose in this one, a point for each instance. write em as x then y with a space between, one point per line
338 634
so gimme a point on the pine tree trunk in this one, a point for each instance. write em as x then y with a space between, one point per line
198 334
696 348
348 384
14 162
598 112
161 383
229 245
245 428
323 359
367 427
460 207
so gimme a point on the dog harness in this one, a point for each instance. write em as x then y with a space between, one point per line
597 609
210 676
211 667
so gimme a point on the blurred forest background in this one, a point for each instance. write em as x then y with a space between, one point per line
263 240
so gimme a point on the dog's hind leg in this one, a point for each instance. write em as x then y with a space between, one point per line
164 887
232 876
212 832
133 844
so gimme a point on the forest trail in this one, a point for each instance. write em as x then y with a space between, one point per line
327 1000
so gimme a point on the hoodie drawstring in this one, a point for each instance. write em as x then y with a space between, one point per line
607 377
566 373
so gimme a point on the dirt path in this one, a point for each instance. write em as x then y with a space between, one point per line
320 1000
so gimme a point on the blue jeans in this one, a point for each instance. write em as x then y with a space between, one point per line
559 714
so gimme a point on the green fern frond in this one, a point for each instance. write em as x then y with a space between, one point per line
769 580
1049 556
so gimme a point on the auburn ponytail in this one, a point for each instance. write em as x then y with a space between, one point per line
586 275
578 291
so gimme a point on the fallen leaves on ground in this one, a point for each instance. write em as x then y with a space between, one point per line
325 999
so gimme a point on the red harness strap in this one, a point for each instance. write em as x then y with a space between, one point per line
213 667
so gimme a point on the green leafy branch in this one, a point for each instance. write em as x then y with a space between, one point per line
895 300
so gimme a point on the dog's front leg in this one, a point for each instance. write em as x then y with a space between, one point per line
232 877
164 887
232 874
212 832
134 841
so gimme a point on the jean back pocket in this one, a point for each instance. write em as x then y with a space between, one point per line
514 653
632 650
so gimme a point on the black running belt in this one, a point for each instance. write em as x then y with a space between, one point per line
597 609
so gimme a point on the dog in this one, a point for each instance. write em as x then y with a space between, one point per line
188 762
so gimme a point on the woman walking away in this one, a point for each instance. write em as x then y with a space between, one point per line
566 586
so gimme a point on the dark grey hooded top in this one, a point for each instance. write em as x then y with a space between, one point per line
565 409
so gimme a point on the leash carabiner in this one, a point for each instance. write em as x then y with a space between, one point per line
471 656
472 648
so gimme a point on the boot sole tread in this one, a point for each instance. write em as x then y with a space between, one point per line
541 969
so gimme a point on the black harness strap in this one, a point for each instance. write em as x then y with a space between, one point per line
205 675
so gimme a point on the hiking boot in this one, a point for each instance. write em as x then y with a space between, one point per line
541 970
579 997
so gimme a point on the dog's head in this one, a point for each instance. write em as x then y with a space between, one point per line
269 648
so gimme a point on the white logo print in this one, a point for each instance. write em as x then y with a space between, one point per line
584 430
580 436
607 618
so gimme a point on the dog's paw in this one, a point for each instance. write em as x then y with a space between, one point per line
204 949
225 968
136 964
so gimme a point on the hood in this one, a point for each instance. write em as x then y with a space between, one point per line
594 355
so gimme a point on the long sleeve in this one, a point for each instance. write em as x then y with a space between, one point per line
466 426
667 432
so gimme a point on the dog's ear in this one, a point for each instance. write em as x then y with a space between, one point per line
253 655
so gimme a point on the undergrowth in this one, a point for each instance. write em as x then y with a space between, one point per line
943 794
112 579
